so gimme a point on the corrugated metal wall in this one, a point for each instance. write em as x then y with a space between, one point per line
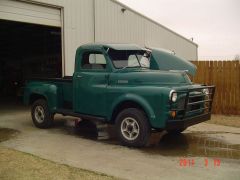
111 25
157 36
116 27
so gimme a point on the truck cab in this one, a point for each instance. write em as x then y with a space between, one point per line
136 89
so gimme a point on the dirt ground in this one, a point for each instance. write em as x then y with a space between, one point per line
233 121
18 165
203 151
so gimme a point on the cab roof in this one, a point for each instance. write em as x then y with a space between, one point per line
96 46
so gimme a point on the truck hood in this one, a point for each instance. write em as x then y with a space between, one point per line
150 77
163 60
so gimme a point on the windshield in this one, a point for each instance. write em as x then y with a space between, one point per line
127 59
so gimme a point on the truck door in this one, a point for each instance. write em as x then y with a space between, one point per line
90 84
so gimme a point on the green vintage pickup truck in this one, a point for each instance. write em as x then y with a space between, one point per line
137 89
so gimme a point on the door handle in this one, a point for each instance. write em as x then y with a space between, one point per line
78 76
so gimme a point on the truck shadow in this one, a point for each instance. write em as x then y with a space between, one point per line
187 144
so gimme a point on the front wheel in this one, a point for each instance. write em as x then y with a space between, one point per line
133 128
41 116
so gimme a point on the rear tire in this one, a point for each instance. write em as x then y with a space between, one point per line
133 128
41 116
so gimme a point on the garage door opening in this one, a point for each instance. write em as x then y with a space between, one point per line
27 51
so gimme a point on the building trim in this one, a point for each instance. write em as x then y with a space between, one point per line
36 2
197 53
94 20
63 42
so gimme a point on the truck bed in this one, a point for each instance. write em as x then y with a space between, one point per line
64 92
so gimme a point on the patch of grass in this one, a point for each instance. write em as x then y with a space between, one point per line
19 165
233 121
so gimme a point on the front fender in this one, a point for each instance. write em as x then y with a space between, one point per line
137 99
47 90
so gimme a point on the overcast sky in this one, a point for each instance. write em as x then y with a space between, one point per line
213 24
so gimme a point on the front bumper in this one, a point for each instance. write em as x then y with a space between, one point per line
184 123
195 108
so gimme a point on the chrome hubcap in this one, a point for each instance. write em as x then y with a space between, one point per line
39 114
130 128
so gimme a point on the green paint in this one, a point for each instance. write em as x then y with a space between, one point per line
163 60
99 92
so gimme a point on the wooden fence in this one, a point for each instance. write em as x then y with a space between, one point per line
225 75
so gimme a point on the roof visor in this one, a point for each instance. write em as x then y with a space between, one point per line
121 47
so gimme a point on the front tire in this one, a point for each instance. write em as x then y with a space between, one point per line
133 128
41 116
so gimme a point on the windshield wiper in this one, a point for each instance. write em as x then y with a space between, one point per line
144 66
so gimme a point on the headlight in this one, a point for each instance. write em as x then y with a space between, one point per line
173 96
205 91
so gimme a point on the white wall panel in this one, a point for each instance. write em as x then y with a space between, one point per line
116 27
29 13
157 36
130 27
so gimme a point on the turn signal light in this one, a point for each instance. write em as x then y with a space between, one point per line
173 114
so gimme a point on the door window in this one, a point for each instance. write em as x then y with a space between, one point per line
93 61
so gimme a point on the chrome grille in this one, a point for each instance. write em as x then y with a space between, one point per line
194 102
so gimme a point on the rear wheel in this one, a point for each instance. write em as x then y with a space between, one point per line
41 116
133 128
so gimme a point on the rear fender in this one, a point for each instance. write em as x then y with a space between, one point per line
45 90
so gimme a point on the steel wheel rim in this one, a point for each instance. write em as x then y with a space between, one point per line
39 114
130 128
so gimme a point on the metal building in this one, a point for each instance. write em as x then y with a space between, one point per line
39 37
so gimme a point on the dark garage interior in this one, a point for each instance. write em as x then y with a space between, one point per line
27 51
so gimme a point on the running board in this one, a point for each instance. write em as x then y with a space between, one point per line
67 112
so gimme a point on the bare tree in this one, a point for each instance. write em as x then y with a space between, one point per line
237 57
